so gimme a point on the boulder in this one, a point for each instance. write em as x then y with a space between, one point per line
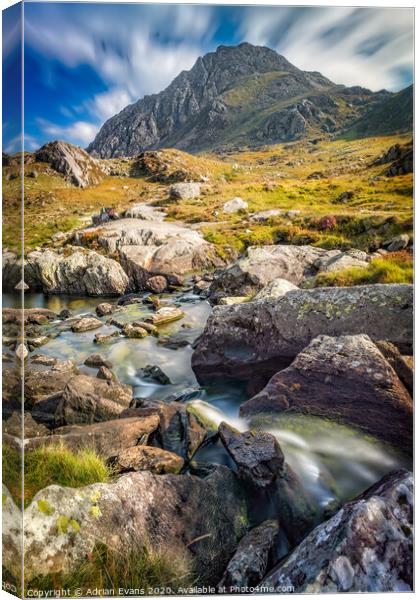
249 564
108 438
86 324
13 426
345 378
197 517
234 205
81 273
265 215
257 454
166 314
89 399
11 270
148 458
144 212
402 365
131 331
41 383
399 242
105 373
366 547
261 265
343 260
185 191
76 164
275 289
273 332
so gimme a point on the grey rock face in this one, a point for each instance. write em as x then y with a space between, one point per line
275 289
123 514
76 164
242 335
345 378
83 272
365 547
249 563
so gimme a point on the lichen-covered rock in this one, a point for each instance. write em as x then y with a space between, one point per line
366 547
108 438
89 399
76 164
82 272
148 458
246 334
248 565
261 265
345 378
200 517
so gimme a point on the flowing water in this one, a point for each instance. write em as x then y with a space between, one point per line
334 462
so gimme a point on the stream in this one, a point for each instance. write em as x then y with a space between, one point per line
334 462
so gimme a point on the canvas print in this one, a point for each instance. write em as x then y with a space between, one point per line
207 299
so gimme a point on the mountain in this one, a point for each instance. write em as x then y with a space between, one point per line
394 115
238 95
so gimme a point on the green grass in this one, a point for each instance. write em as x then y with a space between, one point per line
395 268
157 572
51 465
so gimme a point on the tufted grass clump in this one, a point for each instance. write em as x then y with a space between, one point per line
151 571
51 465
397 267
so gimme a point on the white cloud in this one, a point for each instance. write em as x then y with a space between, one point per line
105 105
79 132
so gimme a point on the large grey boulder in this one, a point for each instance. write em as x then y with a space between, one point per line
275 289
242 335
83 272
89 399
342 260
366 547
149 248
185 191
196 517
345 378
11 270
261 265
76 164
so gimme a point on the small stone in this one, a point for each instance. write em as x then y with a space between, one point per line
86 324
132 331
104 338
21 352
97 360
154 372
230 300
166 314
157 284
104 309
105 373
234 205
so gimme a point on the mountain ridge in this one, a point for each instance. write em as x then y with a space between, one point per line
238 95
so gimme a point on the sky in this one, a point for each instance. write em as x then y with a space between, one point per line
84 62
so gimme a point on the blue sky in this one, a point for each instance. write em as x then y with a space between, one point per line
84 62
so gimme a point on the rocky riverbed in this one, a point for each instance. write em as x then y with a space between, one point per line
240 435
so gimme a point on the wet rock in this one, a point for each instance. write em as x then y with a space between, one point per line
86 324
97 360
196 517
179 430
105 308
146 326
252 333
44 360
105 373
131 331
108 438
402 365
345 378
185 191
81 273
155 373
275 289
148 458
105 338
257 454
366 547
37 342
249 564
157 284
261 265
76 164
22 352
89 399
234 205
166 314
65 314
